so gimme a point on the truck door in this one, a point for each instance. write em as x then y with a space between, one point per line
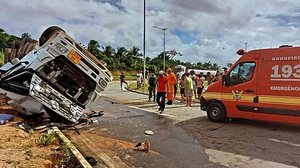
239 95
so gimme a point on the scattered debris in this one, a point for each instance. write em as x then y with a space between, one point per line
142 146
149 132
95 113
5 118
25 127
94 121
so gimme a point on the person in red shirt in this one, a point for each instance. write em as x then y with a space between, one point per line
162 89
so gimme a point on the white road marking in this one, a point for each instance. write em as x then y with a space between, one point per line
239 161
284 142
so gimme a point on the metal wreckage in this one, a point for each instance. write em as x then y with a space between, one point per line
54 76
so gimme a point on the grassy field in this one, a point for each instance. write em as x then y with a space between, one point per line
129 76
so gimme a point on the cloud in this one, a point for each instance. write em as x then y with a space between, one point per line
206 30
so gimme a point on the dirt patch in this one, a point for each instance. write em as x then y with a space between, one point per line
19 149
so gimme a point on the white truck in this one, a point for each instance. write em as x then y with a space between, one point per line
58 77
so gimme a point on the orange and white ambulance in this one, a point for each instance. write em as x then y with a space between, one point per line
263 84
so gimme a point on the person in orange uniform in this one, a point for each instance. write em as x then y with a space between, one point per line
162 89
172 81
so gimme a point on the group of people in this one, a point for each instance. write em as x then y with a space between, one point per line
191 83
164 86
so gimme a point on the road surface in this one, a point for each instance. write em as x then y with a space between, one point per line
183 136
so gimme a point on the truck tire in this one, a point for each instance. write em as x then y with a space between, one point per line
48 33
216 112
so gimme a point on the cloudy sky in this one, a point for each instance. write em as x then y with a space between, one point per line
202 30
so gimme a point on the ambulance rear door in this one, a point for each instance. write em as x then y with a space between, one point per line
279 86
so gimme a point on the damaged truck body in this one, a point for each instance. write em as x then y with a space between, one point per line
58 77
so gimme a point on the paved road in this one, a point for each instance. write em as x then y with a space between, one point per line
183 136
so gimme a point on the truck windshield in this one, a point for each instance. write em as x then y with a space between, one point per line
241 73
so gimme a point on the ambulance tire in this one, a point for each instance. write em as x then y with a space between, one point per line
216 112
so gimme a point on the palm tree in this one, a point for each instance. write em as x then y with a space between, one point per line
93 47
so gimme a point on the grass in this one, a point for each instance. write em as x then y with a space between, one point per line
144 88
129 75
47 139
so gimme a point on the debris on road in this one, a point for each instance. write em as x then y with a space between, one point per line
142 146
5 118
55 76
149 132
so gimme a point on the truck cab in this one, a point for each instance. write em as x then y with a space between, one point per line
262 85
58 77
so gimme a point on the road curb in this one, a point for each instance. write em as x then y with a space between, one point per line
107 160
72 148
135 91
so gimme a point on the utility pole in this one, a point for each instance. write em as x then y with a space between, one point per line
245 44
164 29
144 43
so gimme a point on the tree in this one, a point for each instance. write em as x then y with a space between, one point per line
25 35
93 48
108 55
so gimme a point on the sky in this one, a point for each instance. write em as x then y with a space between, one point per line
201 30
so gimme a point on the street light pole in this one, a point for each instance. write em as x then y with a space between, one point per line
245 44
164 29
144 43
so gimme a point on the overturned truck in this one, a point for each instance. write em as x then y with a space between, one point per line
55 76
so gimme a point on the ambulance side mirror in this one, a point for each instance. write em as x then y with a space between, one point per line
225 80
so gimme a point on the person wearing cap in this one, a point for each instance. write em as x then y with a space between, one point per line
162 89
172 81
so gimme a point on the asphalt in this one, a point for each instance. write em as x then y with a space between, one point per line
128 115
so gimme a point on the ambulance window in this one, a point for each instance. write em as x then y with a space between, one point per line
241 73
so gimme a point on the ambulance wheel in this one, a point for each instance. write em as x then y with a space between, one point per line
216 112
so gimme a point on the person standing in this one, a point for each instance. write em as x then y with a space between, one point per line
199 81
176 86
122 80
182 88
139 79
162 89
152 86
209 78
172 80
188 90
193 77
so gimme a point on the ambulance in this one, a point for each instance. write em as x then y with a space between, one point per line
263 84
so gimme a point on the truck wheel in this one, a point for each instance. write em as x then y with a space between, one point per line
216 112
48 33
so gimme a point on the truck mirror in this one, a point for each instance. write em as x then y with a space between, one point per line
225 80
